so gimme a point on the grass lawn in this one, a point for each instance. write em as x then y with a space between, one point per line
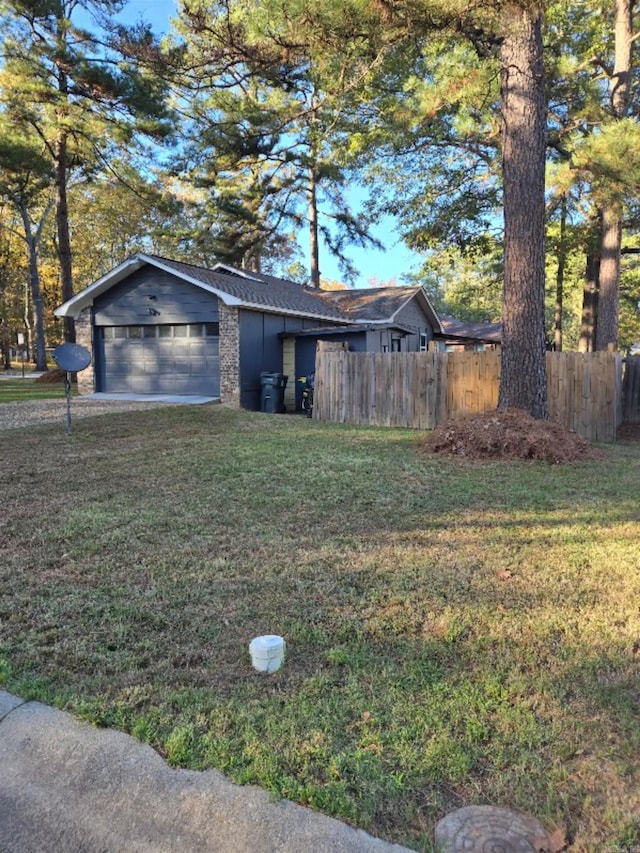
456 633
18 389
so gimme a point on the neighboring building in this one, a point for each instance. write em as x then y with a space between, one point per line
474 337
157 326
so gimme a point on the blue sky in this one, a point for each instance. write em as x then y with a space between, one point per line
392 263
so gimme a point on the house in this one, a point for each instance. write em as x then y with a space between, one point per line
475 337
158 326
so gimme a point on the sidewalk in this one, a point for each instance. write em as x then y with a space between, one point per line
68 787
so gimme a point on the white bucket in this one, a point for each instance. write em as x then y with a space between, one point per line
267 652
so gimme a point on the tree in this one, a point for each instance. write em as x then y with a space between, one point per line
620 94
25 178
81 91
523 378
271 130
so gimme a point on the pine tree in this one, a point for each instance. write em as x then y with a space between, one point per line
82 90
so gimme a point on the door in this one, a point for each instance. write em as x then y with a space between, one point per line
180 359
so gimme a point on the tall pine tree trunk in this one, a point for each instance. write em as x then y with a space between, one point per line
312 194
523 382
609 281
562 263
587 339
606 333
62 231
61 158
314 244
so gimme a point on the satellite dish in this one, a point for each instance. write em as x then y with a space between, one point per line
72 357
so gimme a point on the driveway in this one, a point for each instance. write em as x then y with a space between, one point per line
35 412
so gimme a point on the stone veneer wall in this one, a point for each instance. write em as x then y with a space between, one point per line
229 355
86 378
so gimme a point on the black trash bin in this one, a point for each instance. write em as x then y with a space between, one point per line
272 387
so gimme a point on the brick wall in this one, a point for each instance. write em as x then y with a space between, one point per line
229 355
86 378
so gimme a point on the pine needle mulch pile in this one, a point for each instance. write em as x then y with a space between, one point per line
510 434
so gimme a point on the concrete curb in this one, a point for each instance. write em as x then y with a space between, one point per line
70 787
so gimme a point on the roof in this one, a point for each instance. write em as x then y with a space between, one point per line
380 304
232 287
488 332
266 293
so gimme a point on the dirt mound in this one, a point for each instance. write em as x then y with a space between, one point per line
54 376
509 434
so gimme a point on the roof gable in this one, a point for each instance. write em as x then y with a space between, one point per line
381 304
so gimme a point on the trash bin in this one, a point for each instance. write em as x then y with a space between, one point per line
272 387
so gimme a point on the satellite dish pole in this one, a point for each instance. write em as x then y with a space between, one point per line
72 358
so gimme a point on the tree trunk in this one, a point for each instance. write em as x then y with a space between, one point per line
620 91
314 247
26 317
61 158
312 193
523 382
562 262
62 230
5 340
39 355
606 333
589 303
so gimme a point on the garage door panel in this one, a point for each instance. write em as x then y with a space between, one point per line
169 362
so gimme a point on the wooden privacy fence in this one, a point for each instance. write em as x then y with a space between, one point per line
422 390
631 390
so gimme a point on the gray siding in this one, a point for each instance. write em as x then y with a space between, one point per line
261 350
153 297
414 318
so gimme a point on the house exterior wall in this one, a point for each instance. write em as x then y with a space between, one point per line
261 350
151 296
84 329
229 355
412 316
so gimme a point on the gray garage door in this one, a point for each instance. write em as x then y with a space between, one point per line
169 359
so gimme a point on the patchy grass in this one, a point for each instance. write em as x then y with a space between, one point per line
457 632
18 389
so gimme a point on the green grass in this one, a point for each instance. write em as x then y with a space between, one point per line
18 389
456 633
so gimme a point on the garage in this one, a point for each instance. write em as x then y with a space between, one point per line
177 358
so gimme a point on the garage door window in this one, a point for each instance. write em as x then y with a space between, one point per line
191 330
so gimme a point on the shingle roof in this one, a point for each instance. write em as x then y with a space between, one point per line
374 303
490 332
258 290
